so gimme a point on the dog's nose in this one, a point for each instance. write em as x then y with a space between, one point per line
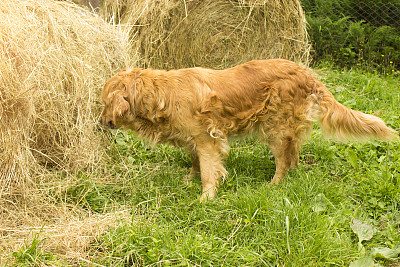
109 123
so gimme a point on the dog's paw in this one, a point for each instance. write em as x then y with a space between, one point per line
190 177
187 180
207 195
193 174
204 198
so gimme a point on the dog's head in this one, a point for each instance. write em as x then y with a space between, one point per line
117 96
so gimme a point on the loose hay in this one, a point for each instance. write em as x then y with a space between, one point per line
212 33
72 238
54 60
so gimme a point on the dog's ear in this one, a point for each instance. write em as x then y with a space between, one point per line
121 105
130 83
130 79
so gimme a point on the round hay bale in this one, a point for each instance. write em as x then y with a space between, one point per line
54 60
212 33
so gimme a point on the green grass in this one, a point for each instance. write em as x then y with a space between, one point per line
305 221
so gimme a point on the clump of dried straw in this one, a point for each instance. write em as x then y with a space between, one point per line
212 33
54 59
73 238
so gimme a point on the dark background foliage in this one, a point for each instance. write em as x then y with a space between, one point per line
355 33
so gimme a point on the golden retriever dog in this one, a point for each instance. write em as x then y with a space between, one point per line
202 109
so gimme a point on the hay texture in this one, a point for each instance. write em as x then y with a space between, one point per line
212 33
71 240
54 59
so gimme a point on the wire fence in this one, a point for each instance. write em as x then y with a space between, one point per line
362 33
375 12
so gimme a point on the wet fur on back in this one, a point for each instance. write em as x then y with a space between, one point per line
201 109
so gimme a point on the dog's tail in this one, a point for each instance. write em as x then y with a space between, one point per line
344 124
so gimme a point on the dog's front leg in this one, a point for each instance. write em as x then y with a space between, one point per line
195 170
211 168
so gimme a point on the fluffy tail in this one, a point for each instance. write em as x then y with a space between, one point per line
344 124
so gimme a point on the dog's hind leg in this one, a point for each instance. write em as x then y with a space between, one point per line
286 152
286 139
210 155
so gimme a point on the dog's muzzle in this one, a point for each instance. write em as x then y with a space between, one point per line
109 123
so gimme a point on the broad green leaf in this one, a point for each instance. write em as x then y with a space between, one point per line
366 261
120 142
320 203
352 158
387 253
363 231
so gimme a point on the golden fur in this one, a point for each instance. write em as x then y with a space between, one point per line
200 109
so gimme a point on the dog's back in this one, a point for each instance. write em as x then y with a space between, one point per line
258 92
